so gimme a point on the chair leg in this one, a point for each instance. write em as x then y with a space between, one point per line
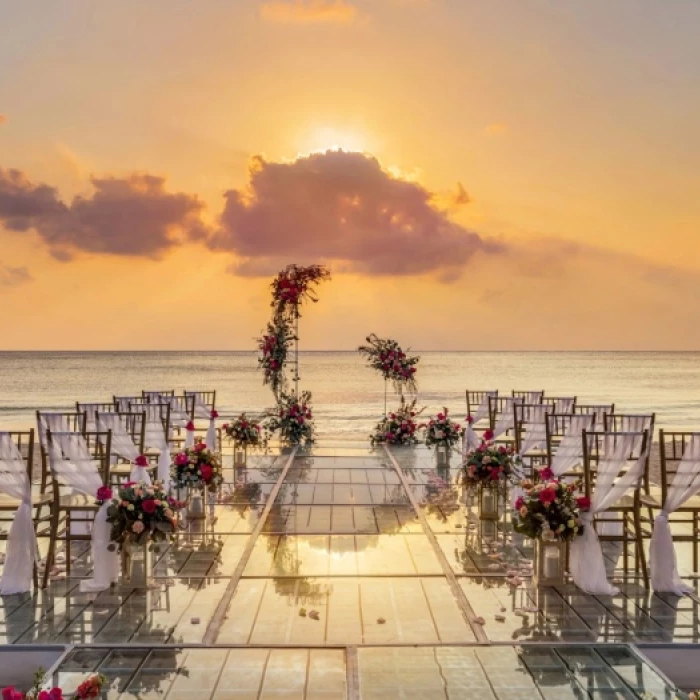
695 542
640 547
68 543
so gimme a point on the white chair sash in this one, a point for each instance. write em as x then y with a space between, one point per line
536 433
55 422
662 553
564 405
506 419
189 435
157 439
569 453
635 424
178 410
91 410
211 436
73 466
123 445
587 563
21 548
201 408
532 397
482 410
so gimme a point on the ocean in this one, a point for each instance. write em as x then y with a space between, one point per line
348 397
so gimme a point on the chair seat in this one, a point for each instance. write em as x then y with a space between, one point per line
78 501
10 503
125 468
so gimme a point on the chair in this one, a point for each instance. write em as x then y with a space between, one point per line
157 396
621 521
91 409
633 423
502 417
600 410
70 506
560 404
122 403
530 397
478 403
128 441
23 441
564 443
204 403
529 428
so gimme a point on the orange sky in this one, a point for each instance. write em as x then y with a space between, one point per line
513 176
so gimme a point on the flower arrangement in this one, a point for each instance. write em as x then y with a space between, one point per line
442 430
549 510
398 428
141 512
294 419
274 348
90 688
245 432
197 467
295 284
387 357
488 463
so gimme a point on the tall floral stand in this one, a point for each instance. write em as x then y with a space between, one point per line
549 568
136 563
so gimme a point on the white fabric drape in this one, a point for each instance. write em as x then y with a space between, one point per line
73 466
211 436
178 410
569 453
635 424
482 410
536 434
506 420
532 397
156 438
189 435
21 548
662 553
201 408
587 563
91 410
600 413
124 403
471 439
123 445
564 405
55 422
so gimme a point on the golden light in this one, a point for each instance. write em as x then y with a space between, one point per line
327 138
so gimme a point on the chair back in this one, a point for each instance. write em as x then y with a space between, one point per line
122 403
157 415
601 447
672 448
530 397
600 410
629 422
564 430
95 444
23 441
158 396
204 402
59 421
529 426
560 404
478 403
91 410
133 425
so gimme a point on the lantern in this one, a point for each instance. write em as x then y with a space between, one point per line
488 502
550 562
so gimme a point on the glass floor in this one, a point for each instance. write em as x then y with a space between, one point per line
350 571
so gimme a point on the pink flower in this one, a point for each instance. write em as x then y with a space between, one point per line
547 496
141 461
181 459
495 474
199 447
138 527
206 473
189 426
583 502
53 694
149 506
104 493
224 426
470 419
546 474
488 435
11 693
519 503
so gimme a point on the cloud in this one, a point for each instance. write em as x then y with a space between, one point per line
496 129
13 276
342 207
130 216
308 11
3 119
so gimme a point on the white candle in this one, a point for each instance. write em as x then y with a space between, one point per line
551 562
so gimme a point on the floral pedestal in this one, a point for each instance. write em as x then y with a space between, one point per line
488 502
550 563
136 563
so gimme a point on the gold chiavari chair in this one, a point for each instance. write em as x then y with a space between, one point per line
633 423
501 413
24 441
531 397
157 414
157 396
478 407
600 410
561 404
530 434
621 522
69 508
134 424
122 403
204 402
91 409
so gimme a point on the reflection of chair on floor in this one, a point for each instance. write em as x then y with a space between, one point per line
80 455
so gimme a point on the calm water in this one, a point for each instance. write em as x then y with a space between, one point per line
348 396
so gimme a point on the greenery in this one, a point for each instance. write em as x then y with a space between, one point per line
197 467
293 419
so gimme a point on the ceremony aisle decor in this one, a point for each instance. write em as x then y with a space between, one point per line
443 433
392 362
245 433
141 516
293 420
489 469
549 513
197 469
398 428
274 347
89 688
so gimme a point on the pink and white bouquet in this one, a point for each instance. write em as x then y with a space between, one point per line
442 430
395 365
398 428
245 432
141 512
197 467
488 464
293 419
549 510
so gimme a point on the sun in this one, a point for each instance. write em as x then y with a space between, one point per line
328 138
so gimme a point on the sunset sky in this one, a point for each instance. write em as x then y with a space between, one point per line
478 174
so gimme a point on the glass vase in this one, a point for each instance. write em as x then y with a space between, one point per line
240 456
488 502
442 453
136 563
550 563
196 509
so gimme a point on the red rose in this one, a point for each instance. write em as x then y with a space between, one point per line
149 506
141 461
53 694
104 493
206 473
199 447
214 414
547 496
470 419
519 503
488 435
189 426
583 502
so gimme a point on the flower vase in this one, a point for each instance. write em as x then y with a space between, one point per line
240 456
136 563
195 505
443 455
488 502
550 563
